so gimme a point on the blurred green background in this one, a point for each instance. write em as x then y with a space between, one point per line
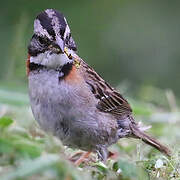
130 41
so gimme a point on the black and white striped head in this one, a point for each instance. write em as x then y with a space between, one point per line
51 35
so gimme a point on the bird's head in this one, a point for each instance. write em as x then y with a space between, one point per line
51 36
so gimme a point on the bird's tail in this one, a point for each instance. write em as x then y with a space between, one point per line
137 133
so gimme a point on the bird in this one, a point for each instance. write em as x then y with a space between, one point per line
70 99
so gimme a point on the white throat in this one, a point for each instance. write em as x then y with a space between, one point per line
50 60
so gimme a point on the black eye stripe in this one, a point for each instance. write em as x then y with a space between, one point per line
34 47
44 40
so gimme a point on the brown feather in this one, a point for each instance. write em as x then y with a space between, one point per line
74 76
109 99
149 140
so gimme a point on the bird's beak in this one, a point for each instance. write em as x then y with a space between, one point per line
60 43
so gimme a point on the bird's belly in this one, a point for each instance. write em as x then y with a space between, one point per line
69 113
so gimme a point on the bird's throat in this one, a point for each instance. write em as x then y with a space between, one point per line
62 70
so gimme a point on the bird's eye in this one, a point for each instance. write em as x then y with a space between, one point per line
43 40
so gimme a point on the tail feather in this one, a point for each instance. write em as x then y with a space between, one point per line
137 133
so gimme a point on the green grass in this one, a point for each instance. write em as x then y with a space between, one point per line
26 152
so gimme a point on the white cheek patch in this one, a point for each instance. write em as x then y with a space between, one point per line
50 60
37 59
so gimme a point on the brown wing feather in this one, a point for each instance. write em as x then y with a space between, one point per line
110 100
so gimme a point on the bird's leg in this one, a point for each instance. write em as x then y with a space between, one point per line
102 154
82 158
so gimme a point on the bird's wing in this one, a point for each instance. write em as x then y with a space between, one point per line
109 100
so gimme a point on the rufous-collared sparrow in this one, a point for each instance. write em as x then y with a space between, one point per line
69 99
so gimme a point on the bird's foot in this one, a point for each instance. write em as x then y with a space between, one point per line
80 157
112 155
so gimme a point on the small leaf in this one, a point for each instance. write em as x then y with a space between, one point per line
31 167
5 146
101 166
5 122
128 170
115 166
27 147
